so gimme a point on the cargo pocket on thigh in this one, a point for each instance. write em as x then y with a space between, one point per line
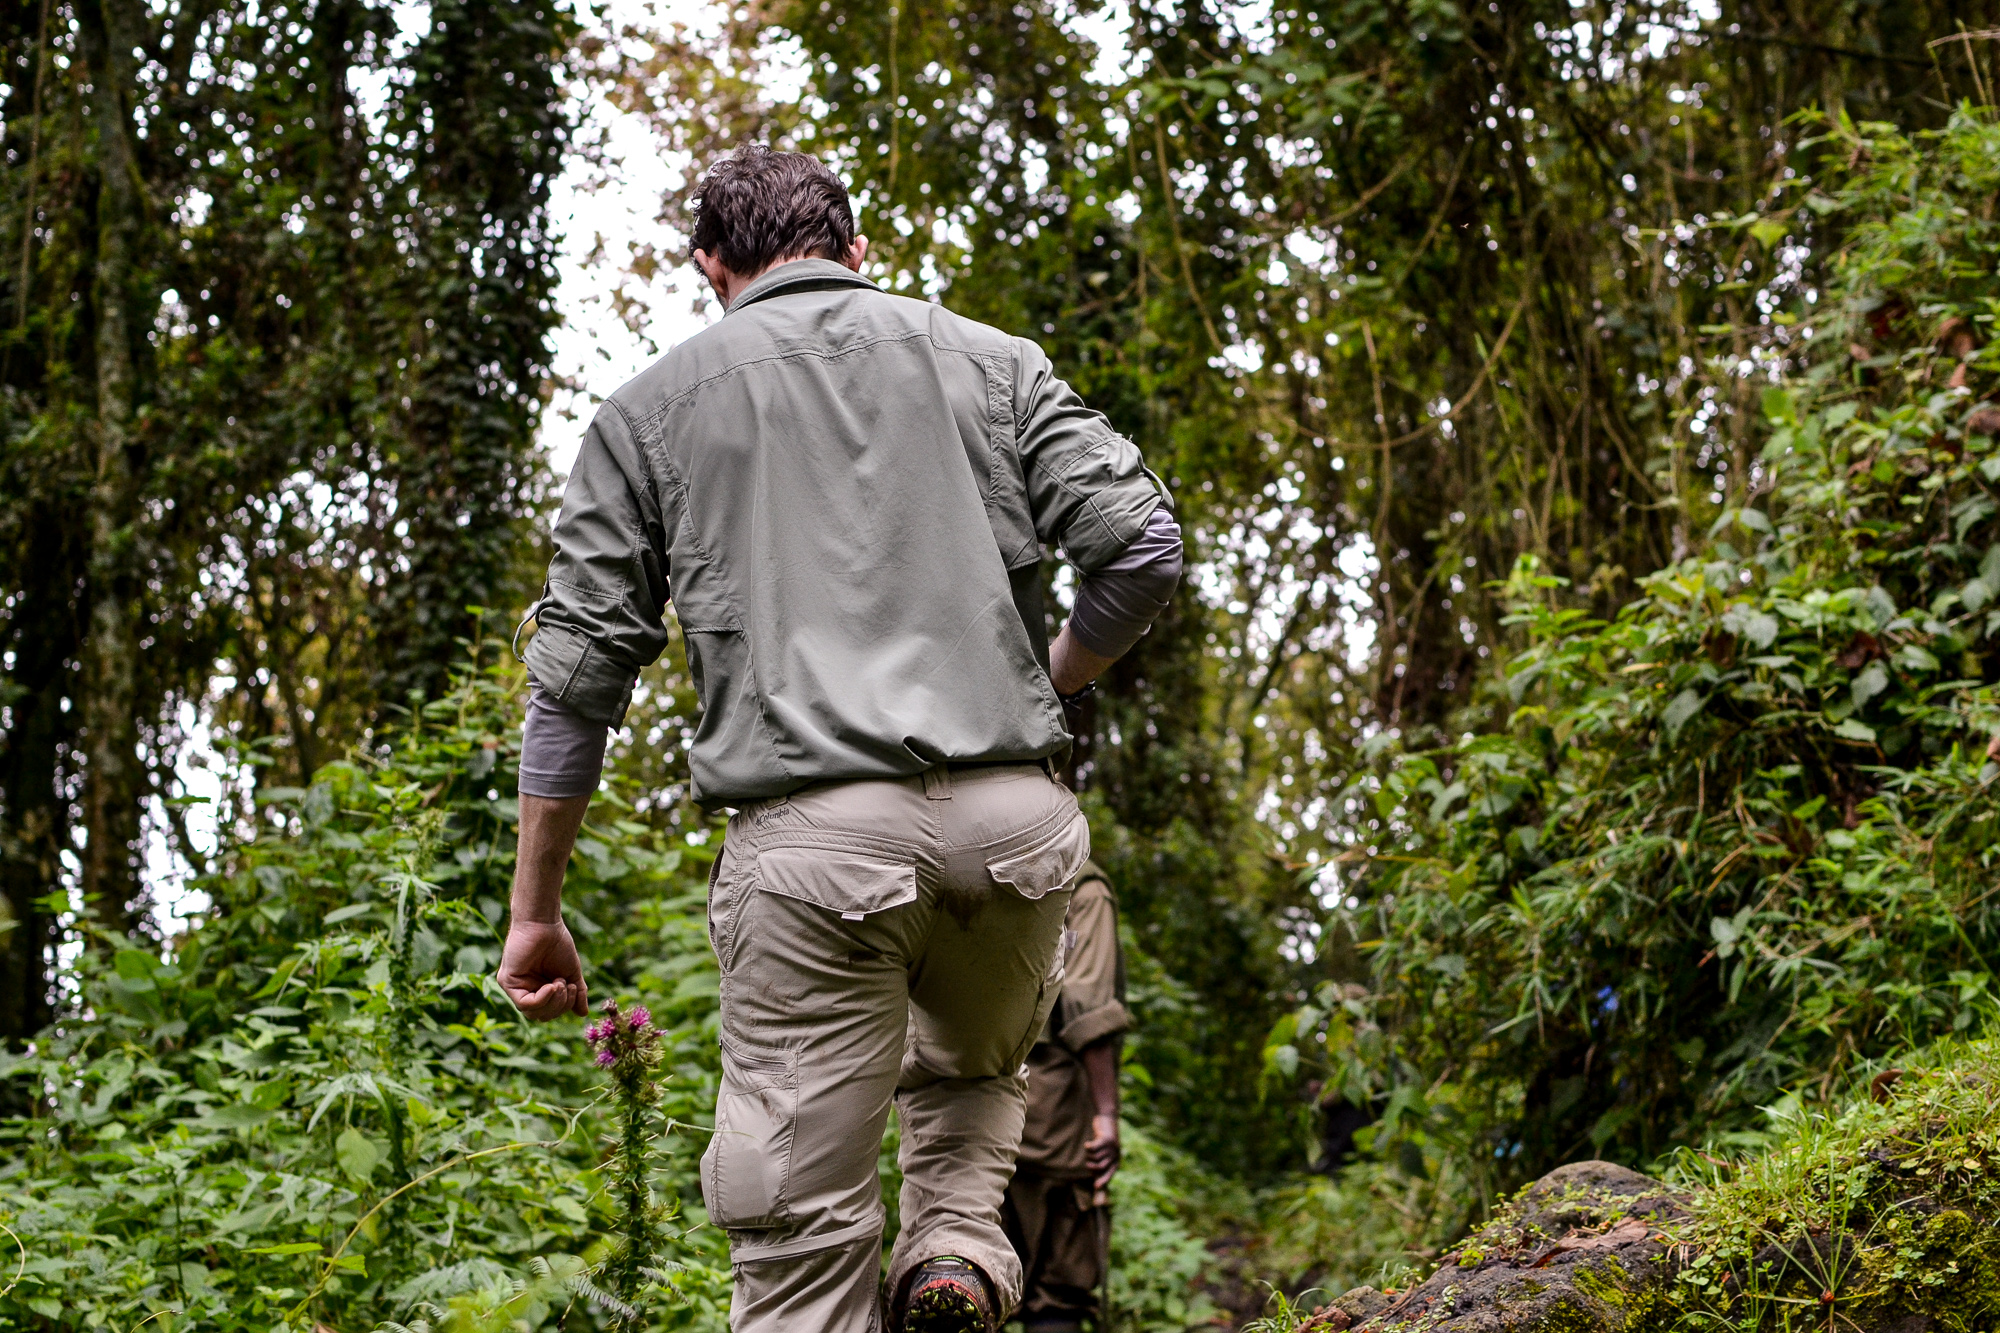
1047 865
746 1172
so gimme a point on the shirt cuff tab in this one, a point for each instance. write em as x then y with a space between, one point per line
1108 522
576 674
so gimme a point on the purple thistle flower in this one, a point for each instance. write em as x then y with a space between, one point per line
641 1017
606 1059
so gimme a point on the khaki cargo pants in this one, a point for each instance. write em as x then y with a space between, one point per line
880 939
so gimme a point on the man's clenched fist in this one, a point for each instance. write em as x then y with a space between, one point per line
541 973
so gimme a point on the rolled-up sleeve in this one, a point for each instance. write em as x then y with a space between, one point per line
562 754
1087 486
600 619
1120 602
1090 1008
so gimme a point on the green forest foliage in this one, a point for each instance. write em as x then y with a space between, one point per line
1569 739
225 1131
1740 838
271 360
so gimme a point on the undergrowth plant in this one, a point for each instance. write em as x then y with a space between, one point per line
315 1107
628 1048
1854 1215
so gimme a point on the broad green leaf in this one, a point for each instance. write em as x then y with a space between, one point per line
1445 799
1976 594
1769 231
1755 627
1684 706
273 1094
347 913
135 966
1870 681
295 1247
703 985
1855 731
356 1153
1912 657
1881 606
1969 513
1518 683
242 1115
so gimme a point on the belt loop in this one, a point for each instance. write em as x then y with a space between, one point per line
937 783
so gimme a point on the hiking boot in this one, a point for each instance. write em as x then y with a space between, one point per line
950 1295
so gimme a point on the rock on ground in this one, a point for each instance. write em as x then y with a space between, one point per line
1581 1250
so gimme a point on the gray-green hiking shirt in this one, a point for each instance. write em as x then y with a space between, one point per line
848 493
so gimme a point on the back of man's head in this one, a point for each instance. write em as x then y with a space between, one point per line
757 207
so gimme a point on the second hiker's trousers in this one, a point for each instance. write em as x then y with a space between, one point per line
880 939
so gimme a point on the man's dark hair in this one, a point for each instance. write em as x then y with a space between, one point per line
756 207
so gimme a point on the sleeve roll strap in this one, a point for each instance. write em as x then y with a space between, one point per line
1118 603
562 752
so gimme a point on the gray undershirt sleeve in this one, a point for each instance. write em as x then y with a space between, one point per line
562 752
1119 603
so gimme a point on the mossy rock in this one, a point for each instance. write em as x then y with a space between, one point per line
1580 1249
1882 1217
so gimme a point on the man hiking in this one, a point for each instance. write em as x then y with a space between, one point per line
846 495
1057 1214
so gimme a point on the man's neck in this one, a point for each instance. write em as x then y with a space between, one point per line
739 284
730 285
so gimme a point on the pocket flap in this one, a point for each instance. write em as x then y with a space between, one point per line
1049 864
848 882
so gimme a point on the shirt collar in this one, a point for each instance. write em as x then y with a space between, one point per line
799 275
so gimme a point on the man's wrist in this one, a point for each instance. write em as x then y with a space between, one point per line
1077 696
536 914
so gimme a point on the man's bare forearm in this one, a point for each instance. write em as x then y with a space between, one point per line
548 836
539 966
1100 1064
1073 666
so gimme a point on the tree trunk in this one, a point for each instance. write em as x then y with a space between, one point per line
29 869
114 778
